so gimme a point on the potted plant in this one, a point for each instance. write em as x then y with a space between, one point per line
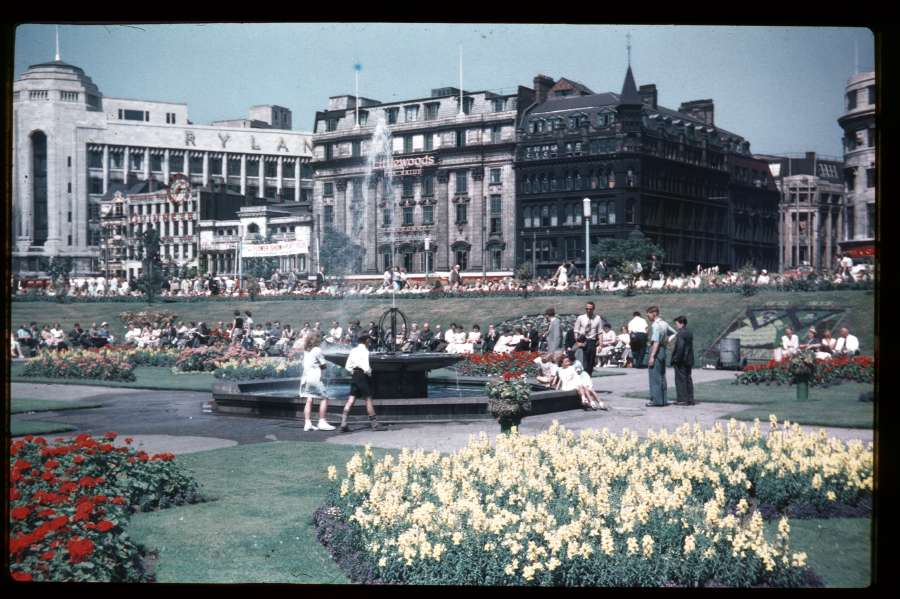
802 367
509 400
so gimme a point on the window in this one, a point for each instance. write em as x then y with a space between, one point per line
428 185
467 105
195 164
428 214
462 180
496 133
328 216
611 212
407 144
70 218
328 189
460 138
573 248
287 170
270 192
116 160
408 187
95 185
329 151
386 217
870 221
526 218
386 258
629 212
526 184
411 113
69 189
545 216
95 159
850 178
870 177
271 168
234 166
462 258
498 104
871 89
851 99
496 212
431 110
363 117
462 214
392 114
170 118
407 216
496 259
215 166
331 124
495 176
429 141
133 115
870 141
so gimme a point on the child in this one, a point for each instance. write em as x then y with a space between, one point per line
585 389
358 364
548 365
311 384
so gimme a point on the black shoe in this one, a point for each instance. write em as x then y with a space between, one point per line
345 428
376 426
655 405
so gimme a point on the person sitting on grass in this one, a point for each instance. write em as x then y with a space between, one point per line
311 386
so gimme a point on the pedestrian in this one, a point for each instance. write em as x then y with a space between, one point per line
554 331
682 362
656 364
311 385
587 330
360 386
320 278
637 328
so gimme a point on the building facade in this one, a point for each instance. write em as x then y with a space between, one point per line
860 144
72 145
452 184
811 214
672 175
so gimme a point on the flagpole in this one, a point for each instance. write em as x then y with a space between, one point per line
461 111
356 69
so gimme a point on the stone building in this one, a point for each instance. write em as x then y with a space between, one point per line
858 123
812 209
688 185
72 146
453 181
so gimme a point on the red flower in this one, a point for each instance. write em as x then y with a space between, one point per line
79 549
100 499
50 464
48 555
20 576
111 436
14 494
20 513
28 438
128 440
87 482
105 526
118 500
78 459
46 513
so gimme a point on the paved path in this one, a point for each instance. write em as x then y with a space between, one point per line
177 421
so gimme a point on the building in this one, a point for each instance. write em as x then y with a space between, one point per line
72 146
451 183
858 123
689 186
811 215
201 230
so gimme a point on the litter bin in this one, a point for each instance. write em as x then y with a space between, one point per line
729 354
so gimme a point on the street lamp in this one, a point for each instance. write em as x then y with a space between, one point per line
586 204
427 248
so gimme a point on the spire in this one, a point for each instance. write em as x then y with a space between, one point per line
628 46
58 59
630 95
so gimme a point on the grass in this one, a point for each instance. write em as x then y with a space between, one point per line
838 549
146 377
259 527
19 427
829 406
708 313
25 405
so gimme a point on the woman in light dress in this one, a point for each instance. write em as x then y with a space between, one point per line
311 385
572 377
562 276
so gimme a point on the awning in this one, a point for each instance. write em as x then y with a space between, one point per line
861 251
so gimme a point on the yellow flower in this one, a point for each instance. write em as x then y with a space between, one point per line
831 496
632 545
689 544
647 543
332 473
528 573
799 559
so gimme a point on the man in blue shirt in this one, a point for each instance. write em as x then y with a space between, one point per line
656 364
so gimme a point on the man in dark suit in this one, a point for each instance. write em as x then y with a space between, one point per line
683 361
534 338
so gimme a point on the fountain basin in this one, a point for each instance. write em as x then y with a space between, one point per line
400 375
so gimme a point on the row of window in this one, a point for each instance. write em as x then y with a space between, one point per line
414 262
854 95
569 214
575 121
859 139
426 184
850 176
411 113
604 177
195 164
409 144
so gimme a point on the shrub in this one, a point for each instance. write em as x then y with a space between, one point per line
209 358
157 318
259 368
594 509
100 364
491 364
860 369
70 502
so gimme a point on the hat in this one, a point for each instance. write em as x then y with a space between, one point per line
765 272
103 324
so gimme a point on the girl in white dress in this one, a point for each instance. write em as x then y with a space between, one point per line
562 276
311 385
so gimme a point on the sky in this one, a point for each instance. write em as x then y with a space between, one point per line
781 88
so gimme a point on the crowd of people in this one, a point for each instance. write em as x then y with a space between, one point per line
396 280
824 346
29 338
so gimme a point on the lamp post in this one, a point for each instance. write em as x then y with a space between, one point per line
427 248
586 204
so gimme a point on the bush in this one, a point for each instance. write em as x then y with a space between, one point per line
100 364
70 502
491 364
860 369
594 509
209 358
259 368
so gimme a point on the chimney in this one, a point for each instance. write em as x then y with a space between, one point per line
702 110
542 85
648 95
810 155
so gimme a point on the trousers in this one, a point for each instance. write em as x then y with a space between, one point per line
639 349
590 355
657 376
684 384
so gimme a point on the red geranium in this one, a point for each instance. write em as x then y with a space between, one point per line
79 549
105 526
20 513
20 576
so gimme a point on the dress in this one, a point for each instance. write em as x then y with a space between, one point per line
562 277
311 384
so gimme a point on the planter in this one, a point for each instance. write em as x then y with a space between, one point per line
507 422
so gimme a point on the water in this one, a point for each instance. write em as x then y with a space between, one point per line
342 390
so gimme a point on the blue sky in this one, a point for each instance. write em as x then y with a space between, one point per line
780 87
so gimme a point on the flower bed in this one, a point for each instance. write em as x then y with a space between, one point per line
592 509
491 364
209 358
257 368
70 502
100 364
860 369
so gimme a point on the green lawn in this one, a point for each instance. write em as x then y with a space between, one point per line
259 527
25 405
708 313
147 377
830 406
839 549
19 427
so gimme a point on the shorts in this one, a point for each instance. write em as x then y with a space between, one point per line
359 386
312 389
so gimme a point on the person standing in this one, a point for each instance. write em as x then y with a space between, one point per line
311 385
320 278
490 340
587 330
360 386
656 364
562 276
637 328
534 338
682 362
455 277
554 331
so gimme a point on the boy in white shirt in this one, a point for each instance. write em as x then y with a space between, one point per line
358 364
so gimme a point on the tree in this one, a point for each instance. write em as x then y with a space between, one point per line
58 268
151 280
338 254
622 256
260 268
